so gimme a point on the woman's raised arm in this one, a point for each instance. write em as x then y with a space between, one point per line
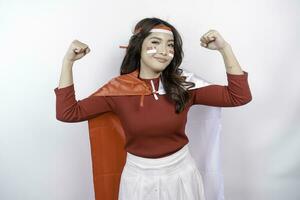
68 109
236 93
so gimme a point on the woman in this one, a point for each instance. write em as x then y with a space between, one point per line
158 164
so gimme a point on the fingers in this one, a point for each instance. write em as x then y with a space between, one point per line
203 44
87 50
208 37
79 47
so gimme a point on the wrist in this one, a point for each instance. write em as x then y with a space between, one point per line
67 60
67 64
225 49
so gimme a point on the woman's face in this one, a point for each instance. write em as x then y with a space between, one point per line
157 52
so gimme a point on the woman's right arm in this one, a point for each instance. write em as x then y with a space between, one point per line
68 109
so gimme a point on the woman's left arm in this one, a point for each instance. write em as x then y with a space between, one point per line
214 41
231 64
237 92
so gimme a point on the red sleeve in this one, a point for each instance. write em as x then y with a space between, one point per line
236 93
70 110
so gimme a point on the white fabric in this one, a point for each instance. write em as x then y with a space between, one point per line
174 177
203 130
159 30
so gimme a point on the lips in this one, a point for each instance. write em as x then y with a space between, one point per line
162 60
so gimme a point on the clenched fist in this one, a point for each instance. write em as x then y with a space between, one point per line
76 51
213 40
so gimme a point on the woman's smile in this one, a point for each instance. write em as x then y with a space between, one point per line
161 60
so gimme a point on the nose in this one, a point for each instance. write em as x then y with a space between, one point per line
163 50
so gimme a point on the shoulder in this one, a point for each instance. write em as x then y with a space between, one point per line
126 84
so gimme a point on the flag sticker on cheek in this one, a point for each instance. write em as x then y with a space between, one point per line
171 53
151 50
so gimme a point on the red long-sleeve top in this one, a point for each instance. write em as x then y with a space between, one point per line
154 130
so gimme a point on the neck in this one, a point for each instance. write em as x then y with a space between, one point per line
147 76
146 73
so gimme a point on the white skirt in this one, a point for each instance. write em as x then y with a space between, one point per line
174 177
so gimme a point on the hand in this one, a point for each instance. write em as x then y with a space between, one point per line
76 51
213 40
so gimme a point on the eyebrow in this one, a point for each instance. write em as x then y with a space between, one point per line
160 38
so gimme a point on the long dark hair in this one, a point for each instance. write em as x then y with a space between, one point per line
173 83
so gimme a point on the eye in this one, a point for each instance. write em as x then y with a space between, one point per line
156 42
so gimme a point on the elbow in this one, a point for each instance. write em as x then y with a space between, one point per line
240 100
65 118
66 114
249 97
245 100
61 118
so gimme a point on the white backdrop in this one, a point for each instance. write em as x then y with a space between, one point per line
42 158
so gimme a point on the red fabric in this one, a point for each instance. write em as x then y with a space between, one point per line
116 119
108 155
154 130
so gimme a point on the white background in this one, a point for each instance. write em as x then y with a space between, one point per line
45 159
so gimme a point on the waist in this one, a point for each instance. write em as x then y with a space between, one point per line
148 163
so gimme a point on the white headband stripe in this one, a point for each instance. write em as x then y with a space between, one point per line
159 30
